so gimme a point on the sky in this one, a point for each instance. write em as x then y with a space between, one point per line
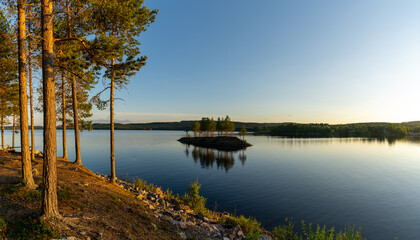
277 61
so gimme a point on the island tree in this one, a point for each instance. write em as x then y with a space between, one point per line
196 128
243 132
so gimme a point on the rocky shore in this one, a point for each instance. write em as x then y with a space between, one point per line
189 225
226 143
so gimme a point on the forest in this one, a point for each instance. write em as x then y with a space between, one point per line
68 45
341 130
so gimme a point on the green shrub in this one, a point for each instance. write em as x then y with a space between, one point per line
250 226
140 184
193 198
31 231
287 232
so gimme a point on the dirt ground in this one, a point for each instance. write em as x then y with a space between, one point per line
91 207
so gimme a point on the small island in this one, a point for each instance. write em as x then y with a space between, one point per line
204 135
226 143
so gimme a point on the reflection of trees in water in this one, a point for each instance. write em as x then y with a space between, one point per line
242 157
209 157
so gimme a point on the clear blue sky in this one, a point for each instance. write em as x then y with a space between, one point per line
278 61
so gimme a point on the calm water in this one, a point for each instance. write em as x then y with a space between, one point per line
371 184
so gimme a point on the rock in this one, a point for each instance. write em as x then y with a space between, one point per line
181 218
67 238
175 222
179 206
140 196
182 235
189 223
167 218
226 238
240 234
265 237
200 216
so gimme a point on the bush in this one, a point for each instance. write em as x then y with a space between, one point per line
31 230
193 198
250 226
286 232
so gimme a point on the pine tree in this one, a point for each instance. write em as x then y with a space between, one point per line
49 199
116 41
27 177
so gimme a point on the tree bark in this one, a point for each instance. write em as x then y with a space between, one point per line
76 122
49 196
28 180
13 129
63 95
112 123
2 131
31 98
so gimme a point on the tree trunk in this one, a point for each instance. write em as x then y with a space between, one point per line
63 95
28 179
31 104
13 129
2 131
76 122
112 123
49 196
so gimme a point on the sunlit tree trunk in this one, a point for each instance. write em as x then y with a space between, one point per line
14 130
49 196
2 131
28 180
76 122
111 100
63 95
31 98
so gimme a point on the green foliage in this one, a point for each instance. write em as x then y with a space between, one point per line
64 192
196 128
243 131
193 198
287 232
250 226
3 224
142 184
31 231
326 130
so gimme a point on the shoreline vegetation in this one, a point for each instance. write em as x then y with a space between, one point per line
370 129
93 208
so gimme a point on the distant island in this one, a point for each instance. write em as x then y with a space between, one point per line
226 143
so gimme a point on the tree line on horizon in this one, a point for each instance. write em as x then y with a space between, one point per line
341 130
68 45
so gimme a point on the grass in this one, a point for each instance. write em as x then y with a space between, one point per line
31 230
64 192
287 232
142 184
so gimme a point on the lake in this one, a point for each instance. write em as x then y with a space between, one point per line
365 183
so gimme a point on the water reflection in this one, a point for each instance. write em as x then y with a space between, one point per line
209 158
